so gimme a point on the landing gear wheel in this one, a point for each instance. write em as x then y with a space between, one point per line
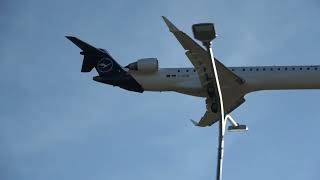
215 107
211 92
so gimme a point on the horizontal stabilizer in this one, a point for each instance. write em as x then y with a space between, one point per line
83 45
98 58
91 54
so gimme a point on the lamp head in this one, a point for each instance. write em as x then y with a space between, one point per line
239 128
204 32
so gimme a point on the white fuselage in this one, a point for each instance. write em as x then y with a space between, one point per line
186 80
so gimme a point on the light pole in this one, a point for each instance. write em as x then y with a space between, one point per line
205 32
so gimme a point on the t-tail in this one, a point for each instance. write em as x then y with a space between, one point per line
110 72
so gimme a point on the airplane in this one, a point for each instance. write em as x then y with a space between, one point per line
236 82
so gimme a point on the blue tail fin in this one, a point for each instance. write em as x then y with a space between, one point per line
110 72
98 58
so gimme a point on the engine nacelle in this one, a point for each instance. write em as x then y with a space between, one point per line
145 65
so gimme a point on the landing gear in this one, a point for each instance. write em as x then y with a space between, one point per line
215 107
211 92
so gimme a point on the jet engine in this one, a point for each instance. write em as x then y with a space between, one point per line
145 65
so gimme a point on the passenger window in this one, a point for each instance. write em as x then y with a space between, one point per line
178 70
187 70
232 69
315 68
257 69
278 69
293 69
194 70
285 69
250 69
301 68
271 69
243 69
308 68
173 75
167 75
264 69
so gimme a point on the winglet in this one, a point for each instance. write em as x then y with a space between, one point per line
194 122
171 26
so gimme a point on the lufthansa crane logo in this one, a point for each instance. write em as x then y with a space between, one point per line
105 65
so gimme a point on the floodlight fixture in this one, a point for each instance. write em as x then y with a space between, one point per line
238 128
204 32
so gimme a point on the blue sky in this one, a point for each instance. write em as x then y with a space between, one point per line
56 123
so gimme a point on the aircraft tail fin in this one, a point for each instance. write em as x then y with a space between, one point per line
89 53
98 58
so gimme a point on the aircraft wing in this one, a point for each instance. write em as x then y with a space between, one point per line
200 59
231 102
207 119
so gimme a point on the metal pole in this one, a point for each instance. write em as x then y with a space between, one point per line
220 152
222 122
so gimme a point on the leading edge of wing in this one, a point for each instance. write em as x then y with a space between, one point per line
172 27
190 45
186 42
